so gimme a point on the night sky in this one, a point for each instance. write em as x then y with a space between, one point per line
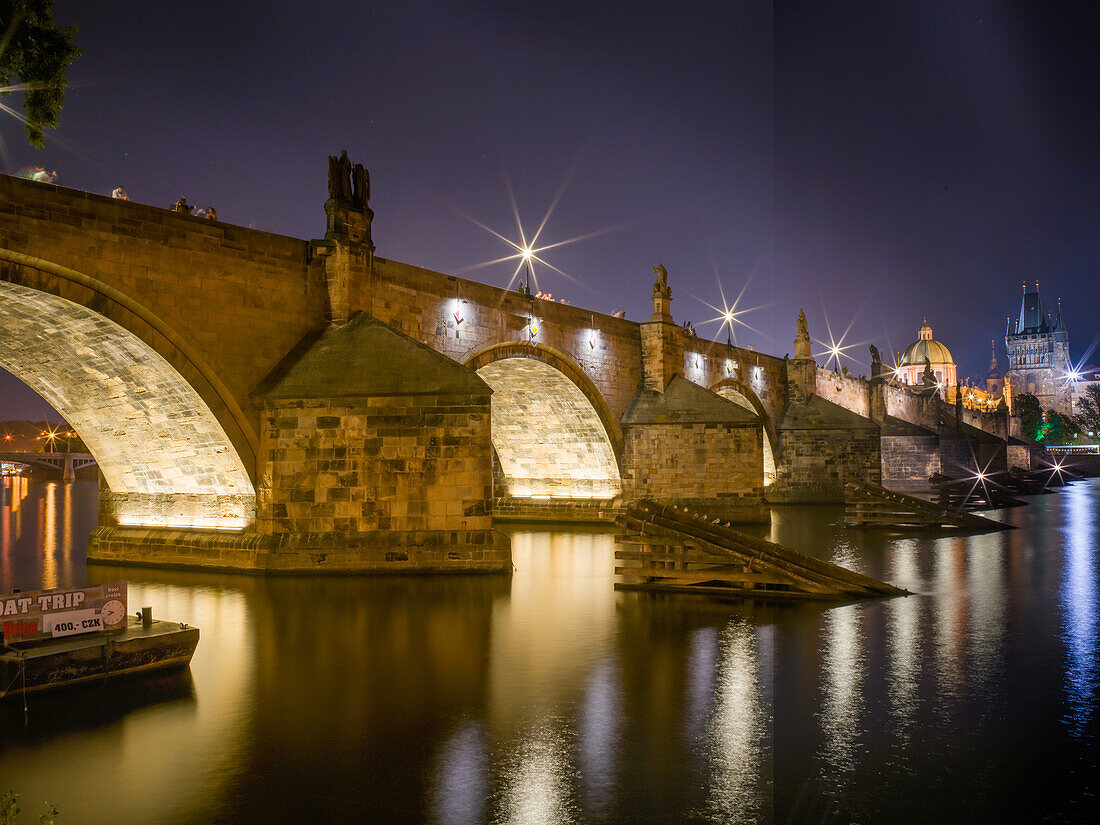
874 162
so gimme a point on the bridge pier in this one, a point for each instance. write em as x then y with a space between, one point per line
376 455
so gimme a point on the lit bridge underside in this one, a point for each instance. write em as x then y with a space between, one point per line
730 394
166 459
547 436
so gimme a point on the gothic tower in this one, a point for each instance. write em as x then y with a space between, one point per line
1038 354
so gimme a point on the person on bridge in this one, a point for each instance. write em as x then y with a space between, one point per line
119 194
182 206
211 213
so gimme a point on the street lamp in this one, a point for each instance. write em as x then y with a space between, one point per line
525 288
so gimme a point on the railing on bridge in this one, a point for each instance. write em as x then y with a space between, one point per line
1074 449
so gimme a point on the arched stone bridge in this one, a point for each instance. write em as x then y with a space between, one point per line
237 381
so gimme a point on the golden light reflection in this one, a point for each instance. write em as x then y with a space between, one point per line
193 742
950 608
559 621
48 525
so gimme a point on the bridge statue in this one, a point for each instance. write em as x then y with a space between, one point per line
347 208
803 349
876 362
360 179
339 178
662 277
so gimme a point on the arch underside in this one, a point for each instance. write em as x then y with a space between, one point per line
547 436
165 457
731 393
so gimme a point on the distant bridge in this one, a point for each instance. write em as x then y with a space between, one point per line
66 463
332 406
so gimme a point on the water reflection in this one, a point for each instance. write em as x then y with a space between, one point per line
903 667
43 530
157 737
985 592
737 733
949 611
548 697
1078 599
842 696
537 779
599 732
462 777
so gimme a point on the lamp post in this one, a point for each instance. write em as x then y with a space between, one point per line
525 287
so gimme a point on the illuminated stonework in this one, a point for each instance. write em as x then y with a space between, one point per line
733 395
547 435
165 457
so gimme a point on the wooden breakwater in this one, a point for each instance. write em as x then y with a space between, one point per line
674 551
868 505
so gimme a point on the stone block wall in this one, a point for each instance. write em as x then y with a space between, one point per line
718 463
404 464
909 459
817 463
849 391
400 482
460 318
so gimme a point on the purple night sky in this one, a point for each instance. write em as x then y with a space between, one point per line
875 163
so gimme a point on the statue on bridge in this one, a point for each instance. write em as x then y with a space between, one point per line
347 184
803 327
662 277
876 362
339 178
360 193
347 209
928 378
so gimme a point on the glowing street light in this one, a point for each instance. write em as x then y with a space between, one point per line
526 251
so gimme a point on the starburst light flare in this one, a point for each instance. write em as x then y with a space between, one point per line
526 252
728 314
834 349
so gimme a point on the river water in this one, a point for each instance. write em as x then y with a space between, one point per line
547 697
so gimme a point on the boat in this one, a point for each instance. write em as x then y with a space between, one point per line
142 646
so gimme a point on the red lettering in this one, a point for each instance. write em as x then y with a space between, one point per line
20 629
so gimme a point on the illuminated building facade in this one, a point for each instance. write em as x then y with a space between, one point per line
1038 355
911 363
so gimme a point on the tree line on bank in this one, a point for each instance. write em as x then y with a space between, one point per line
1053 427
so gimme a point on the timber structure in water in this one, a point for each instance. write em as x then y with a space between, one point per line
673 551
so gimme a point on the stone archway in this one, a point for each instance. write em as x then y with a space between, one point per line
163 453
740 393
550 439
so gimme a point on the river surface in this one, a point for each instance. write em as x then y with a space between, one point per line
547 697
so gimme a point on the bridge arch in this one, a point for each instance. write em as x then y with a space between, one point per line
553 432
167 434
737 391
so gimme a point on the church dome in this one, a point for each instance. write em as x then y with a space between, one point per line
925 347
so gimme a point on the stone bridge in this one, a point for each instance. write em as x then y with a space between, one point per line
262 402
